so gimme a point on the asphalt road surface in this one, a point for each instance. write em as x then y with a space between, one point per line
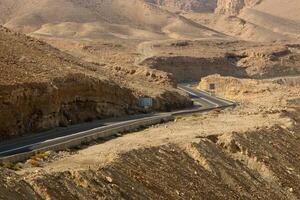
202 100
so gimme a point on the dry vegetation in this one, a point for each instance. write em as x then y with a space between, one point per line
106 56
250 152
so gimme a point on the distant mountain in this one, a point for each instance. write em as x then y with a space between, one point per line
187 5
105 19
233 7
260 20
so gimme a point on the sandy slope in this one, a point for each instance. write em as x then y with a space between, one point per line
114 19
277 17
253 20
251 152
288 9
290 28
97 19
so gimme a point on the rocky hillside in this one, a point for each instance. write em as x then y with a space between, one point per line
254 20
225 154
187 5
95 19
192 60
42 88
254 165
233 7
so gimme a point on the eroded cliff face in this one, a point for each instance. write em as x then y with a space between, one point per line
235 88
13 187
182 159
262 164
233 7
194 60
42 88
76 98
186 68
188 5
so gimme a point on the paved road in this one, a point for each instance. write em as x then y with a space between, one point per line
202 100
31 142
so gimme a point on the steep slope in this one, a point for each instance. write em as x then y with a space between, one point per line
233 7
290 28
187 5
257 20
43 88
262 20
284 9
193 60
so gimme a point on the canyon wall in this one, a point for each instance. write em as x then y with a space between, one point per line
187 5
233 7
186 68
43 88
34 107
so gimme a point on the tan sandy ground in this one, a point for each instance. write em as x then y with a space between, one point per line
260 108
251 152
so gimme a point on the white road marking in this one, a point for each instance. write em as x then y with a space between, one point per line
208 94
16 149
213 103
71 136
99 128
219 98
188 92
209 101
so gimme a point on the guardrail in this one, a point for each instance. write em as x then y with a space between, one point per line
77 139
88 136
221 98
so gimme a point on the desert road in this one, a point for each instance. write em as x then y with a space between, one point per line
205 99
202 102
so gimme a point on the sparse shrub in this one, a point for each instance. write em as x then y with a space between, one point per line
41 156
11 166
34 163
195 115
179 117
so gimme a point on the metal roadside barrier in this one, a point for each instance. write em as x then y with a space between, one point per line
77 139
88 136
183 112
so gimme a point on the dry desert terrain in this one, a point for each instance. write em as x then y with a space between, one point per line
66 62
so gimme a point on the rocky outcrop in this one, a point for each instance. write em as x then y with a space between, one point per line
233 7
187 5
255 165
234 88
34 107
230 7
42 88
13 187
186 68
252 164
196 59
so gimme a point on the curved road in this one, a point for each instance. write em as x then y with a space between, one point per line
202 102
205 99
